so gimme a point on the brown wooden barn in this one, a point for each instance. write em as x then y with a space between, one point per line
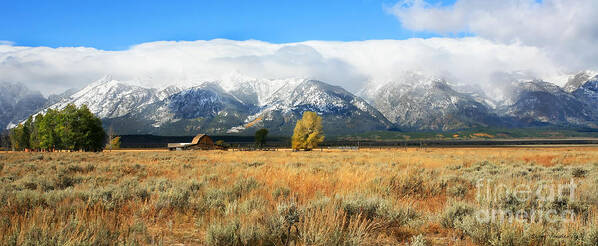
201 141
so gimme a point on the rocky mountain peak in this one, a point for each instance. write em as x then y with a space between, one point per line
579 79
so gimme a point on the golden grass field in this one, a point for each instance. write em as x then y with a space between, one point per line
368 197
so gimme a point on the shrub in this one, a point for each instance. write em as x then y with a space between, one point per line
509 202
64 180
368 207
214 199
243 186
415 182
26 200
494 233
160 184
377 208
409 184
114 196
591 236
281 192
457 190
558 168
289 213
455 213
419 240
254 164
175 198
253 204
235 233
480 233
194 185
81 169
578 172
581 209
223 233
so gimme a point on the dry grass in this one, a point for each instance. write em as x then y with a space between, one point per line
366 197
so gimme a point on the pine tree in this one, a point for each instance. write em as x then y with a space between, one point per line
34 141
5 139
260 137
15 136
92 132
308 132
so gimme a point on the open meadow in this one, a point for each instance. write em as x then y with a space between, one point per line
432 196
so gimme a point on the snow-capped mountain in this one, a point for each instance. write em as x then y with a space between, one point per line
585 88
578 80
209 108
242 105
428 103
539 102
258 92
17 102
342 111
108 98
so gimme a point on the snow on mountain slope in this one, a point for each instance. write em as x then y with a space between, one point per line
427 103
206 100
576 81
258 92
540 102
584 86
342 111
416 101
209 108
108 98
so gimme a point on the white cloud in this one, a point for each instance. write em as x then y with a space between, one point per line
5 42
565 30
349 64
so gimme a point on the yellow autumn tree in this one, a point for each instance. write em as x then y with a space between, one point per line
308 132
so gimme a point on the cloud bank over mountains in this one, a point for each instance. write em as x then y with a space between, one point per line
512 40
564 30
349 64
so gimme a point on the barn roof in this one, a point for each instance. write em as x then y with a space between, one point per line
198 137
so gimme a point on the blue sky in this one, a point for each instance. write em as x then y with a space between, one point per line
529 38
116 25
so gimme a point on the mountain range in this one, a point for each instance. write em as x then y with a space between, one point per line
414 103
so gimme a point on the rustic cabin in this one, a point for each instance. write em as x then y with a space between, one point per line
201 141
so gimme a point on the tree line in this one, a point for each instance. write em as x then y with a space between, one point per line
70 128
73 128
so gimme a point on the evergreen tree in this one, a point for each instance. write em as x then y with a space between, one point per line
25 134
92 134
15 136
260 137
308 132
34 141
5 140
